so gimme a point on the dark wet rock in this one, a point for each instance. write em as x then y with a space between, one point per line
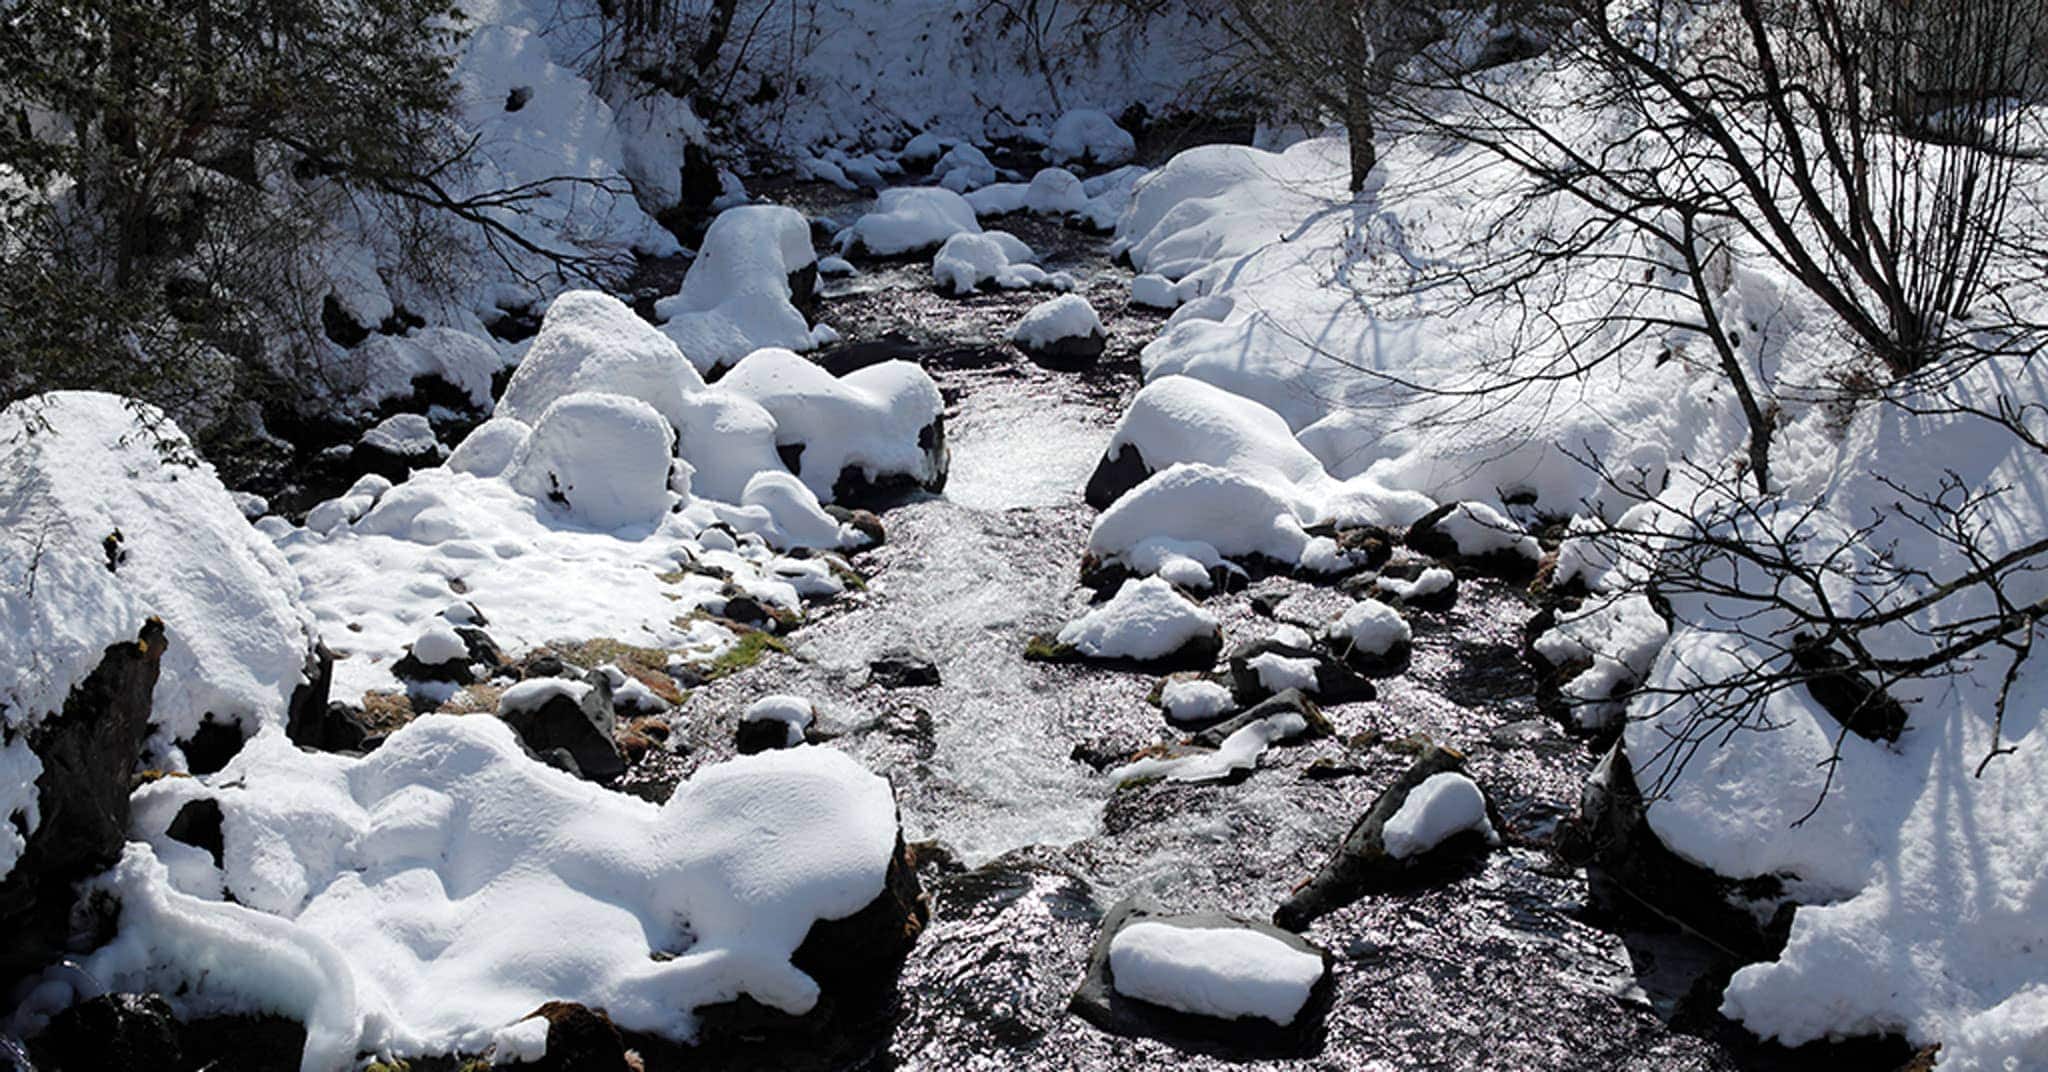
1072 353
583 728
1634 874
855 961
1285 702
855 356
1361 864
1103 577
1326 769
803 291
1428 537
579 1039
1845 693
198 824
310 701
903 669
1335 683
213 745
1098 1001
396 447
1116 474
762 735
1266 596
341 727
242 1043
863 521
88 752
1103 751
111 1033
744 609
542 664
1371 544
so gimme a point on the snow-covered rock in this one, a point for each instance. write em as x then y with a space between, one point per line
1089 136
1369 632
778 721
1201 512
1194 700
107 519
602 459
1055 192
1228 974
1154 292
591 341
1443 806
962 168
908 220
361 899
755 263
1061 331
881 424
1146 621
1476 533
1235 754
490 448
388 366
969 262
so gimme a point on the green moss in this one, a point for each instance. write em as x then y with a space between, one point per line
1047 650
751 647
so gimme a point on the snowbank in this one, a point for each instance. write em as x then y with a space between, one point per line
372 906
1066 318
737 296
1229 973
591 341
602 459
106 520
880 421
909 219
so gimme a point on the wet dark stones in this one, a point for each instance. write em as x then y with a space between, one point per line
903 669
581 728
1335 683
1072 353
1116 474
111 1033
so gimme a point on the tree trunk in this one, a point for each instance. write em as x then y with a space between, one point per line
1358 125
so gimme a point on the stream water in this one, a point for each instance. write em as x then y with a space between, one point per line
1505 968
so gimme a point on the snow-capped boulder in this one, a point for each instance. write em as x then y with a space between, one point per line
1371 636
1273 665
1154 292
971 262
772 722
1417 585
727 438
1427 825
602 459
1198 512
1089 136
591 341
754 276
1479 536
397 445
909 220
875 430
1176 419
435 364
1206 982
964 168
490 448
1147 621
1064 332
1230 750
784 512
1055 192
1194 701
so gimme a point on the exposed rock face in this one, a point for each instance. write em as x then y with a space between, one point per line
111 1033
88 752
1098 1001
1072 353
1115 474
1361 863
582 728
1845 693
580 1039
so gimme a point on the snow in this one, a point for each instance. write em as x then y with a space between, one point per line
1369 627
602 459
1204 512
20 802
489 448
1068 316
1146 619
1239 752
360 898
962 168
1278 672
910 219
1427 583
590 341
1620 637
736 298
520 1043
1195 700
869 419
1090 136
387 365
536 693
77 468
1228 973
794 712
1055 192
968 262
1443 806
1479 529
439 646
1154 291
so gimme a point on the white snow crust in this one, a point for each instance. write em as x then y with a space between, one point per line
1146 619
1443 805
1228 973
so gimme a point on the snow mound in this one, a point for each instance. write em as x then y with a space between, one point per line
388 365
1618 639
910 219
407 435
737 296
794 712
106 520
1237 753
779 507
962 168
416 900
1055 192
1154 292
1443 806
1478 529
1228 973
726 438
1068 316
1145 620
603 459
880 421
591 341
967 262
439 645
490 448
1089 136
1195 700
1369 627
1429 582
1176 419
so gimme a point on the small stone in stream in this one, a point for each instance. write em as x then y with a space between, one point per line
863 521
1255 669
773 722
902 670
1101 1002
111 1033
913 724
1104 751
1362 864
198 824
1325 769
1287 701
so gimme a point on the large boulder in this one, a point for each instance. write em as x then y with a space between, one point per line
574 716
